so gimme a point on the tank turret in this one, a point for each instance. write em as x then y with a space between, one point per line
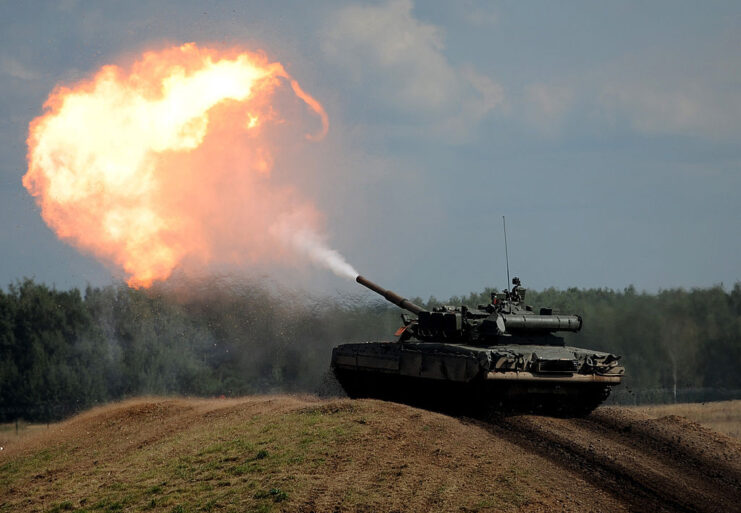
507 314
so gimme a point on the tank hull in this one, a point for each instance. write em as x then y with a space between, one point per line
534 378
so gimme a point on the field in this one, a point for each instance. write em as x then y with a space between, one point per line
722 416
13 433
278 453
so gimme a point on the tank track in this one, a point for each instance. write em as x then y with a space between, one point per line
477 398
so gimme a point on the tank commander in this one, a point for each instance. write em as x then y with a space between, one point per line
518 291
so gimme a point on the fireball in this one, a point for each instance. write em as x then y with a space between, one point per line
168 161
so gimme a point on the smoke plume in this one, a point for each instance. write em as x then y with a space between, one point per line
309 243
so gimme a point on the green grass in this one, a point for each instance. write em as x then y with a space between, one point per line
247 467
40 461
235 464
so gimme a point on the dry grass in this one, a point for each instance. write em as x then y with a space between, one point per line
12 433
259 454
722 416
278 453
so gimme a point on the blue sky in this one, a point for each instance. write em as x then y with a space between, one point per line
607 134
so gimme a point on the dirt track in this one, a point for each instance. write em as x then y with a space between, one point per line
666 464
367 455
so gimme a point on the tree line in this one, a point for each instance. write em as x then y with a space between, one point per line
64 351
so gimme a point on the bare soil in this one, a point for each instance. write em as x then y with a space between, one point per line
721 416
279 453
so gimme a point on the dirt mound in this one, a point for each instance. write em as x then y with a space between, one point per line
278 453
665 464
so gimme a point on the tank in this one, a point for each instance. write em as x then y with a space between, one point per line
501 356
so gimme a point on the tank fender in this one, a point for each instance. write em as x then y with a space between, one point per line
457 367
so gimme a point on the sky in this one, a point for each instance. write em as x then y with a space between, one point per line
607 134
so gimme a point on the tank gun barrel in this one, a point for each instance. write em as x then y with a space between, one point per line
391 296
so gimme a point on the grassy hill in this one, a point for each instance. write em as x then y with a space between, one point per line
278 453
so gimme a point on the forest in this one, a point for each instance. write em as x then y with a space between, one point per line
64 351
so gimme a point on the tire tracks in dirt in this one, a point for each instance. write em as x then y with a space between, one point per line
702 451
667 464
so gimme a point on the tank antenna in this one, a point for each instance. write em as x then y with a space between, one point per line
506 252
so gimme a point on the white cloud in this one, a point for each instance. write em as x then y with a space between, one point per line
492 93
16 69
702 109
654 93
546 105
479 15
397 61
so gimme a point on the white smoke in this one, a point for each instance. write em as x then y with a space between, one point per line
307 242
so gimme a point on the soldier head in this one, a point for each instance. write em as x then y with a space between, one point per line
515 281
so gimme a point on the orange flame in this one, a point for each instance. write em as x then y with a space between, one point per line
166 162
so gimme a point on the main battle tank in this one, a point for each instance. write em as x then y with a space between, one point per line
502 355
